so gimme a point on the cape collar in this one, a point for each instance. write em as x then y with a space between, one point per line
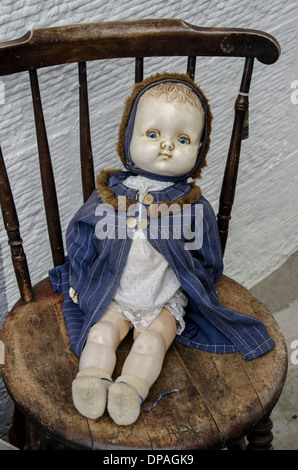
171 193
110 186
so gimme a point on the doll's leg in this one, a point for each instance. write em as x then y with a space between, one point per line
103 340
148 351
97 362
141 369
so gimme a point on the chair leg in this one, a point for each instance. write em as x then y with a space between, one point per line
17 431
261 437
32 436
240 444
23 433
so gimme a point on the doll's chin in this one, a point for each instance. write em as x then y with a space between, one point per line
162 169
167 172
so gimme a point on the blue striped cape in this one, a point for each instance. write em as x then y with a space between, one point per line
98 244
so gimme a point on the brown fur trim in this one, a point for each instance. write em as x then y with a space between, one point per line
108 196
131 99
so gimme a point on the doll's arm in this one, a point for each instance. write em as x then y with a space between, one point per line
81 253
210 253
82 246
74 295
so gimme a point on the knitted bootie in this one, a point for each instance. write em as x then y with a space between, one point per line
89 392
125 397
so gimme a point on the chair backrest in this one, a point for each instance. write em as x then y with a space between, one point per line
109 40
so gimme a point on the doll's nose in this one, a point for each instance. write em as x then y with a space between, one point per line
167 145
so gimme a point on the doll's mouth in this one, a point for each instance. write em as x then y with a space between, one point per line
164 156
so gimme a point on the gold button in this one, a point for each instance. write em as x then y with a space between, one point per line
148 199
131 222
143 223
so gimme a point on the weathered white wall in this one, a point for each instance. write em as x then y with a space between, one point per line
264 224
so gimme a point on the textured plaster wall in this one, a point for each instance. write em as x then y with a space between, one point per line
264 223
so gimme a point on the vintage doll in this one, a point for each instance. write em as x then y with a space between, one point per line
120 273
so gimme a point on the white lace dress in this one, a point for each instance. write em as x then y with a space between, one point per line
147 283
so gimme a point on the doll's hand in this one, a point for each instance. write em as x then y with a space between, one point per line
74 295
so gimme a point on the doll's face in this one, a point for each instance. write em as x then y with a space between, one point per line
166 136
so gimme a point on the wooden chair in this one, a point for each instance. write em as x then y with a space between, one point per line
222 399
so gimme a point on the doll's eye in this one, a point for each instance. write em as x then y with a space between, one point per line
183 139
152 134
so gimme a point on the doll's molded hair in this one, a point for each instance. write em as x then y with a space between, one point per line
173 91
130 102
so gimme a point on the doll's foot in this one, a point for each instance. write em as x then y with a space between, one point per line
89 392
125 399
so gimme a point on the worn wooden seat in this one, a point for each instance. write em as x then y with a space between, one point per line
220 399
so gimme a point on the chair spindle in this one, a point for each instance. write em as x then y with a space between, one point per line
139 69
47 177
191 66
11 224
87 166
231 170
